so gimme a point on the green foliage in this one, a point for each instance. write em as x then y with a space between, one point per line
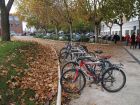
79 13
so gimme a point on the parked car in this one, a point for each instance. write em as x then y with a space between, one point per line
13 33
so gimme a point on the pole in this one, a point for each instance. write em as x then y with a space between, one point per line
121 23
103 29
95 33
71 34
139 22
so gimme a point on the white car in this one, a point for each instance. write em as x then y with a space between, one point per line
13 34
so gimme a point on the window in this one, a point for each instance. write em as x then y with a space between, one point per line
132 31
11 25
112 32
126 31
116 32
11 18
119 32
16 18
17 23
138 31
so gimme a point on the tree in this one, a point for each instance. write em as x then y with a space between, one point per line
122 8
109 24
137 12
41 13
5 9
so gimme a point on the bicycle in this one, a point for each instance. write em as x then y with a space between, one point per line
74 80
72 64
73 52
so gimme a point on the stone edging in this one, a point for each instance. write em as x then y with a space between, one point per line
132 55
58 102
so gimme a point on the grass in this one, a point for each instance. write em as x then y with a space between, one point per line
12 59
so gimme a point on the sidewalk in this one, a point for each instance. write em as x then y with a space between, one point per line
135 53
129 95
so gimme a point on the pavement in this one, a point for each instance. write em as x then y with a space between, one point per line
135 53
129 95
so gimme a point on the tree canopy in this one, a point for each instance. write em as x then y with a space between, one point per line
79 13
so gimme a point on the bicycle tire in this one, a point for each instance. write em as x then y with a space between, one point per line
111 70
63 57
64 49
66 64
72 91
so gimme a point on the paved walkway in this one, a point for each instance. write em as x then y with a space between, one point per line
129 95
135 53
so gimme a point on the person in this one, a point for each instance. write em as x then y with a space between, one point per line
138 41
115 38
127 38
133 42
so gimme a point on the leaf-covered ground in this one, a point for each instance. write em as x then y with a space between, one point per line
28 74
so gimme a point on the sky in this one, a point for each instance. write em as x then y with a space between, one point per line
13 9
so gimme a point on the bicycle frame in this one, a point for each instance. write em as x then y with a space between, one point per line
83 67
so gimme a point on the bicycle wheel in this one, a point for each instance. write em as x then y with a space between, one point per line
69 65
62 50
64 57
73 81
113 80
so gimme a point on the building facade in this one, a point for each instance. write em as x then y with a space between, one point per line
128 28
15 25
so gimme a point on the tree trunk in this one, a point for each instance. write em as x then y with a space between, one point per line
5 23
139 23
110 28
97 34
46 30
121 19
95 28
71 32
56 30
121 32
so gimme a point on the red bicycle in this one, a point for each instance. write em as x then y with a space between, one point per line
73 80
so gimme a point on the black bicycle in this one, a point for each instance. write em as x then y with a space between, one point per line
73 80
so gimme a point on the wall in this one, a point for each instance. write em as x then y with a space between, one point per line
128 27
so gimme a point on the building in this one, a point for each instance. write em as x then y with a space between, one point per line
15 25
128 28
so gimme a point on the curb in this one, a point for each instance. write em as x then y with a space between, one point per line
138 61
58 102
